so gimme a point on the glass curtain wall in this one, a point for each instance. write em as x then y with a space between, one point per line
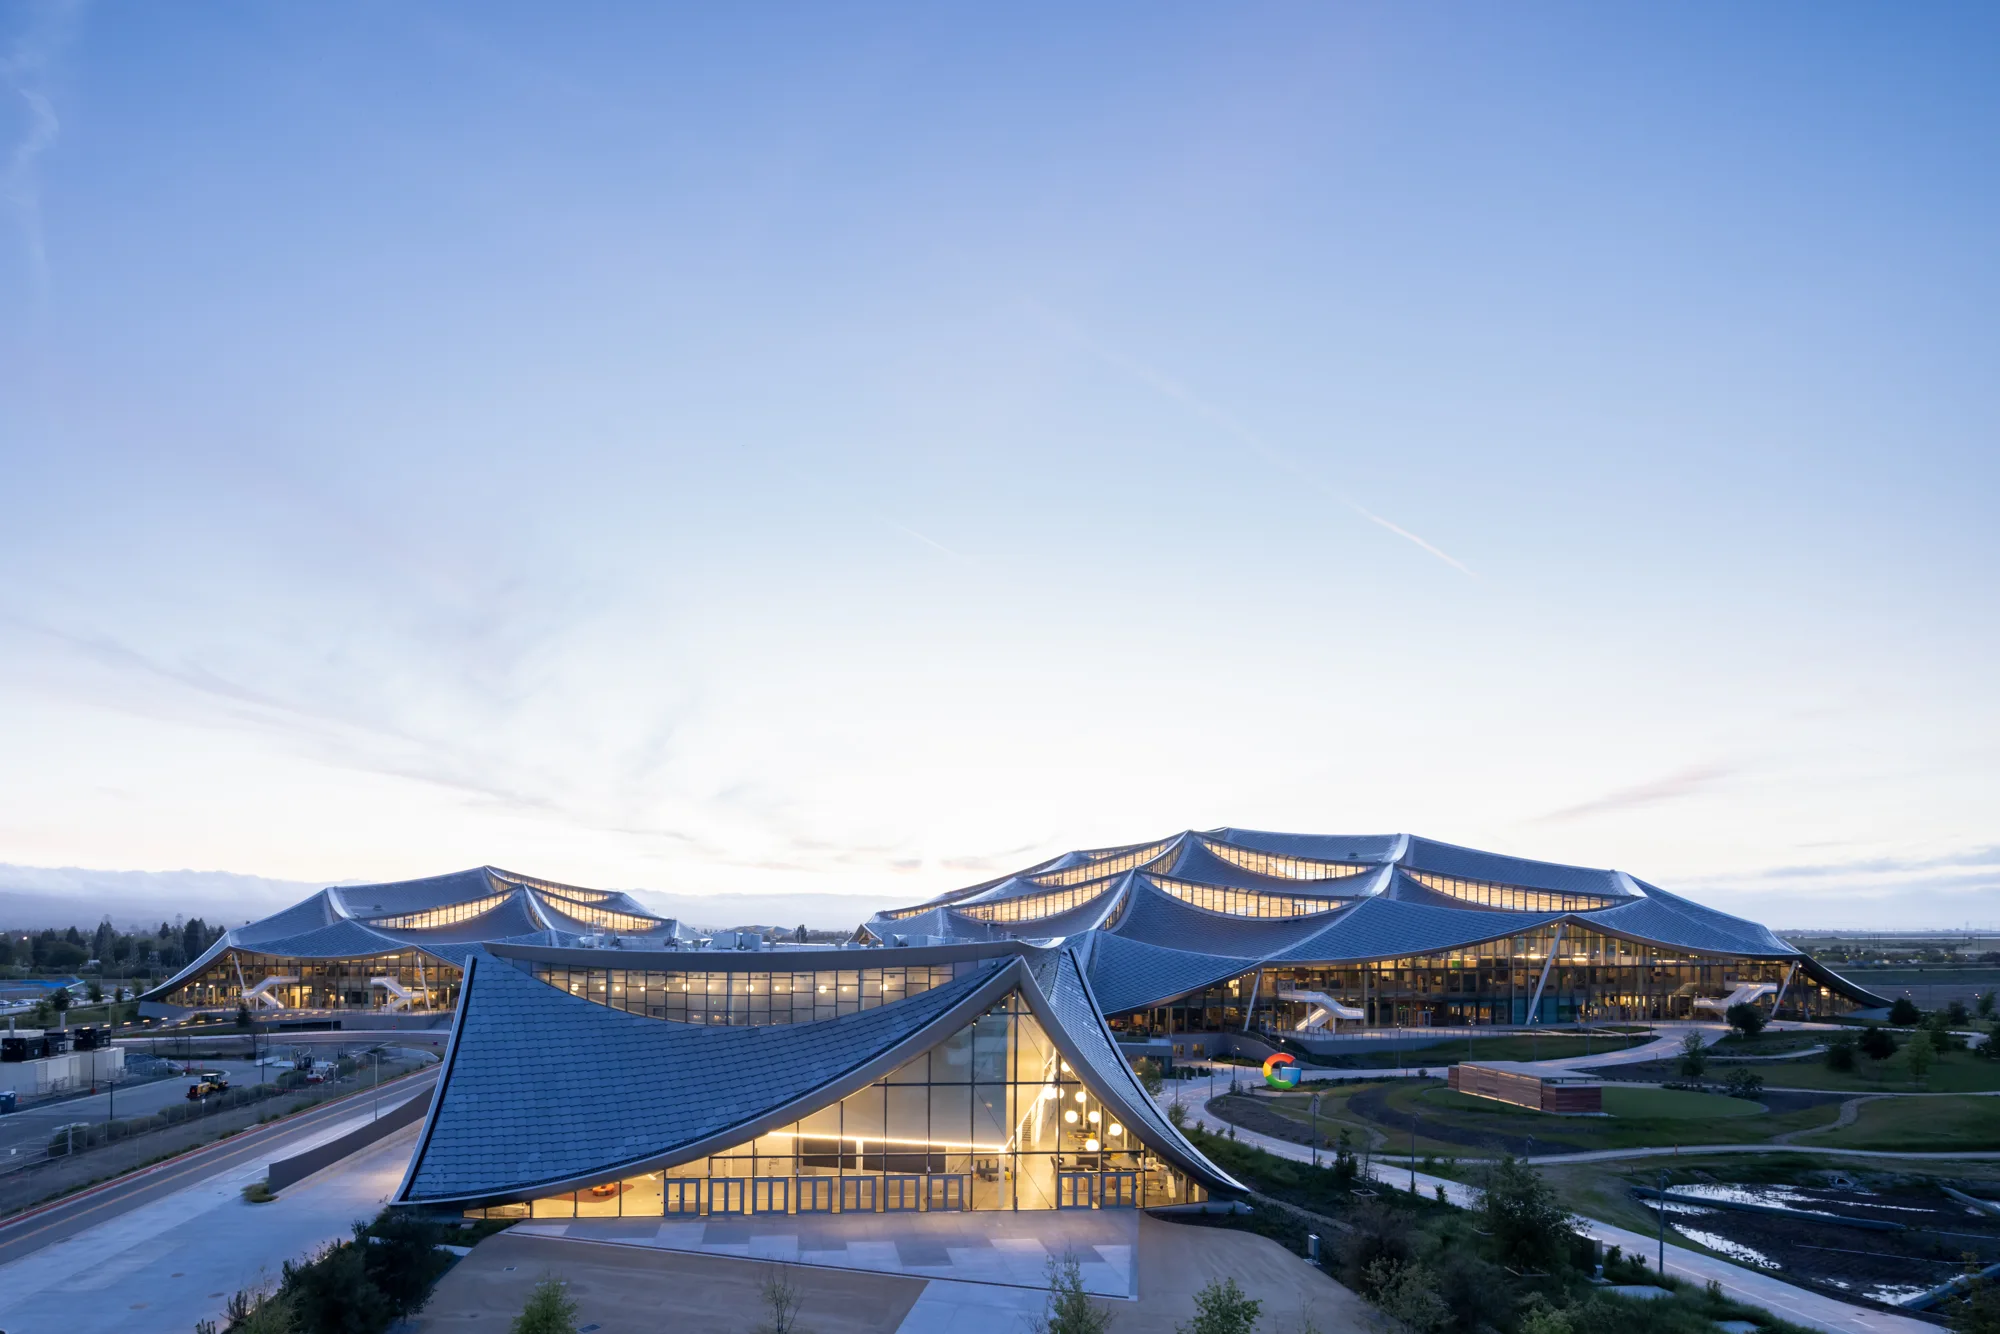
992 1118
1595 977
746 996
322 984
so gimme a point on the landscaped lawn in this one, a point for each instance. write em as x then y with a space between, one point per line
1453 1124
1935 1125
1769 1043
1632 1102
1951 1072
1513 1047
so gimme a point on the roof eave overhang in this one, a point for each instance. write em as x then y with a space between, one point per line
1005 978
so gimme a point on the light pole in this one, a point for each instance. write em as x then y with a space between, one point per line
1315 1116
377 1054
1663 1224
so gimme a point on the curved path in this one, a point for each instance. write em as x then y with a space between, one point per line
1745 1285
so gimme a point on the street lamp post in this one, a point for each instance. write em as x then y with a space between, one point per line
1662 1202
1315 1116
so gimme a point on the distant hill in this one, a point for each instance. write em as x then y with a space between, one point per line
33 897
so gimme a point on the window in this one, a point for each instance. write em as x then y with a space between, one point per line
1247 902
1290 868
1513 898
434 917
1034 907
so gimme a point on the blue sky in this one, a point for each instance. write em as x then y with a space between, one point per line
857 449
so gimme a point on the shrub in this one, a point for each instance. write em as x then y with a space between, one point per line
404 1260
549 1310
1986 1006
1223 1308
1380 1235
258 1192
1877 1043
1148 1071
1979 1312
1067 1309
1409 1294
1745 1018
332 1293
1530 1227
1840 1053
1743 1083
1904 1013
1956 1014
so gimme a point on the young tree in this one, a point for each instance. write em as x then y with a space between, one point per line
1956 1015
1918 1056
1904 1013
1986 1006
1745 1018
1148 1071
1520 1209
1694 1056
549 1310
1840 1052
1979 1313
1408 1293
59 1001
94 993
782 1299
1067 1309
1877 1043
1222 1308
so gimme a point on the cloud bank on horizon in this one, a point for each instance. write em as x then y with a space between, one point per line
868 454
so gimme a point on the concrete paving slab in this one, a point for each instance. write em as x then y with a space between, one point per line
178 1259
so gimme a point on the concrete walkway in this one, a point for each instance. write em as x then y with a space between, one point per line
1005 1249
176 1260
1745 1285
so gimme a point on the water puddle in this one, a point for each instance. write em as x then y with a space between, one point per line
1893 1294
1722 1245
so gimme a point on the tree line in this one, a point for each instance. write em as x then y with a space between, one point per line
141 951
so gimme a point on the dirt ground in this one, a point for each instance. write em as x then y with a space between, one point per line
624 1288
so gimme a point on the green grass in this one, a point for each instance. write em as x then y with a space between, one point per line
1768 1043
1675 1104
1951 1072
1513 1047
1934 1125
1640 1118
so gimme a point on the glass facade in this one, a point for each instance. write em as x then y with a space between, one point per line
1512 898
435 917
1246 902
1290 868
746 996
992 1118
1102 865
608 918
1034 907
1595 977
323 984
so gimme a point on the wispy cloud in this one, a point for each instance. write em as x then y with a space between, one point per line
30 55
1673 786
931 542
1241 433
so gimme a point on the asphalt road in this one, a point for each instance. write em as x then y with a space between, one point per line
28 1130
65 1218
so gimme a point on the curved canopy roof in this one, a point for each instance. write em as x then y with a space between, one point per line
1213 904
442 915
614 1094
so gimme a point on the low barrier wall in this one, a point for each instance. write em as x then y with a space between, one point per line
289 1171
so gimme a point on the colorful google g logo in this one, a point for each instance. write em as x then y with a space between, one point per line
1279 1071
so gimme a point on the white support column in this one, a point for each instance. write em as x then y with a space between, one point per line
1555 948
1791 971
1250 1009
